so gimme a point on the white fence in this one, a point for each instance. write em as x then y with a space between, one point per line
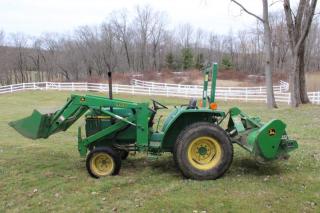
160 89
283 87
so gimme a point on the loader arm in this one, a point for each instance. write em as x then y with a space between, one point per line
43 125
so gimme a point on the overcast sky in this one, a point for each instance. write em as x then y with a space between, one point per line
34 17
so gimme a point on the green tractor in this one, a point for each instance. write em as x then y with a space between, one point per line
201 147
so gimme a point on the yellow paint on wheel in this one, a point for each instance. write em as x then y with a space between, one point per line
102 164
204 153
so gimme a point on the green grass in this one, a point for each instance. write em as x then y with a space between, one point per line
49 175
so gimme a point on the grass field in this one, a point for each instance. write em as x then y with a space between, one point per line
49 175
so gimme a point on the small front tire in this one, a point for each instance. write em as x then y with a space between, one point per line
124 154
103 161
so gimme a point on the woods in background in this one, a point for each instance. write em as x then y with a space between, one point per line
144 42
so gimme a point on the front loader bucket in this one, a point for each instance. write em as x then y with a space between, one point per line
40 125
33 127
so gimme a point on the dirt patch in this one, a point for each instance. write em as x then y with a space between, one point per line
313 81
225 77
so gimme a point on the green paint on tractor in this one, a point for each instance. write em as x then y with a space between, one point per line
202 149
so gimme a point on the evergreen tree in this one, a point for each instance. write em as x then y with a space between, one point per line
226 63
199 61
187 58
170 61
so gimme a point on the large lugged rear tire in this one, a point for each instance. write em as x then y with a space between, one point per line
203 151
103 161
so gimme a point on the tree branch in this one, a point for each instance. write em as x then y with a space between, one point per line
306 28
300 14
248 12
290 24
275 2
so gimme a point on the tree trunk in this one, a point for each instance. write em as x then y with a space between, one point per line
303 87
268 53
154 57
298 26
271 103
295 97
127 55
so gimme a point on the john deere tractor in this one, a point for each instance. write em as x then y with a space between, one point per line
201 147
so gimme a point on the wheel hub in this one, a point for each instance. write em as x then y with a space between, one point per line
102 164
204 153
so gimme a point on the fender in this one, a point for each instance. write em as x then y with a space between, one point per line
180 118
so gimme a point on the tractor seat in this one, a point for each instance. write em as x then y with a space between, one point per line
192 104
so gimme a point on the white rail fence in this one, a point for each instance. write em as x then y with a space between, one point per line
283 87
161 89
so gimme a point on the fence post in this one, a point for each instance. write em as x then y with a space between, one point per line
149 91
72 86
46 85
23 86
289 98
34 85
167 91
11 88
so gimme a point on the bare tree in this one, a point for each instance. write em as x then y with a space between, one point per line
280 42
109 45
52 49
86 43
37 57
298 26
157 33
143 41
5 75
2 36
68 60
20 61
313 48
144 21
120 23
185 33
271 103
199 37
212 41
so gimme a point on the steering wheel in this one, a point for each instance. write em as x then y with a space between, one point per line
157 105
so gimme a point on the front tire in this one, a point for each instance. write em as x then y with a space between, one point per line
203 151
123 154
103 161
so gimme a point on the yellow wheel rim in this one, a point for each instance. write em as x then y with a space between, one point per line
204 153
102 164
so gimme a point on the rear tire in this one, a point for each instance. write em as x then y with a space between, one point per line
203 151
103 161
